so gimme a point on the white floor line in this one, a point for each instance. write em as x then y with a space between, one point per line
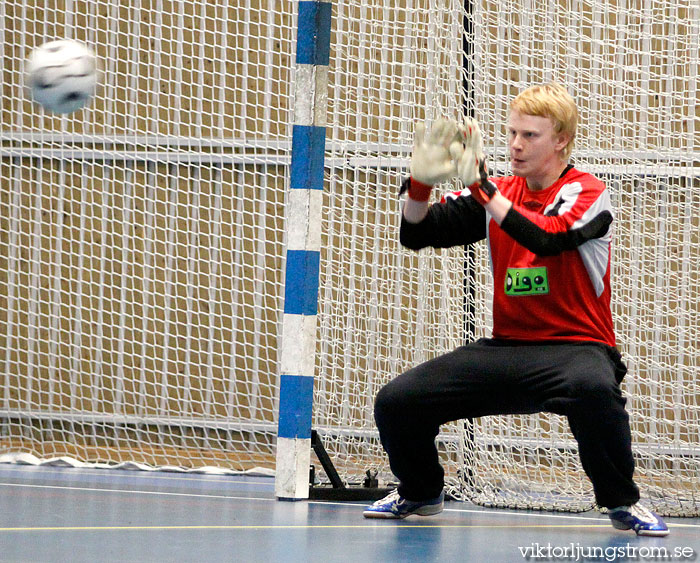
165 476
132 492
485 512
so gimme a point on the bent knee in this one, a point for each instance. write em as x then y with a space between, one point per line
388 399
395 397
598 391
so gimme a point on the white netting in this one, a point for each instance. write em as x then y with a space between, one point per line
633 68
142 240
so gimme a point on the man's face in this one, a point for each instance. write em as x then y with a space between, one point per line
534 147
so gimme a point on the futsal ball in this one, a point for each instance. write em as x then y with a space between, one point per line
62 75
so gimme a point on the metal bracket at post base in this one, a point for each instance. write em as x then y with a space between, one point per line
338 490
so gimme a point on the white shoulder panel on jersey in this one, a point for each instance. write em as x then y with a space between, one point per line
596 252
565 199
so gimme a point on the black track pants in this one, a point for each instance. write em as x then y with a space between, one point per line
488 377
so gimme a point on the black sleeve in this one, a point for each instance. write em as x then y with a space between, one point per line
543 243
458 221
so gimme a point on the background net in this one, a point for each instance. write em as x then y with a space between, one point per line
142 239
633 69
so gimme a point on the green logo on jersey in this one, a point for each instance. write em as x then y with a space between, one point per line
526 281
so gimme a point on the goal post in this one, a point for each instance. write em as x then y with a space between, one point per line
298 350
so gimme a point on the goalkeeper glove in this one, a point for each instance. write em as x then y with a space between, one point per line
471 163
431 161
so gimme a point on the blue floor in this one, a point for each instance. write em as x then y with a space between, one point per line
61 514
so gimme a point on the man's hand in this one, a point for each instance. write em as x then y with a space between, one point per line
471 153
471 162
432 161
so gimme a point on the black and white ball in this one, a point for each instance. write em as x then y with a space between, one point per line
62 75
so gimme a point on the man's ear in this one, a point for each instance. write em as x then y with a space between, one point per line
562 139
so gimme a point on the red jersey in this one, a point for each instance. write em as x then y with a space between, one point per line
560 297
550 257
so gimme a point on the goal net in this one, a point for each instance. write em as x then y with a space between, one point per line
142 241
633 69
142 245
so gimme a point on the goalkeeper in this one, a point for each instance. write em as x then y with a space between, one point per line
548 230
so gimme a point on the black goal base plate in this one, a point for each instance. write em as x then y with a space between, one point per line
348 493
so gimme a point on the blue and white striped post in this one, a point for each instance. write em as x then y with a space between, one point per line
298 347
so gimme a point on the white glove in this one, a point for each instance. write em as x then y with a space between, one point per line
470 154
471 162
432 161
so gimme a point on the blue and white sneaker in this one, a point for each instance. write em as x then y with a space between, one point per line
638 518
395 506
